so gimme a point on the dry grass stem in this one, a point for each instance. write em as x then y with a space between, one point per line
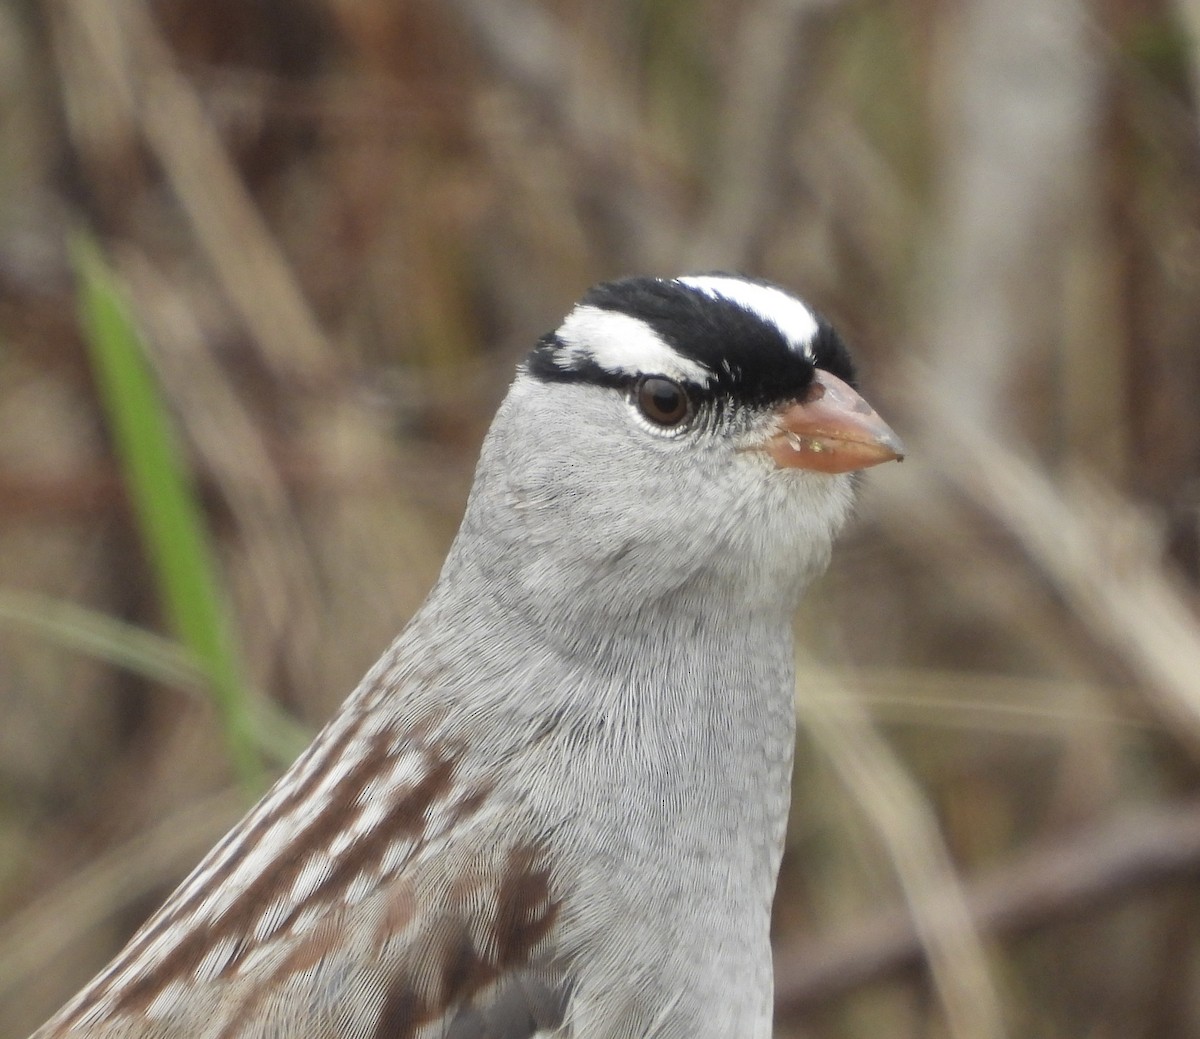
906 826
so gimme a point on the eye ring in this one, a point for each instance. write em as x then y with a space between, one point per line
662 401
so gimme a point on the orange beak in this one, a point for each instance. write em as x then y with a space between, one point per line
832 430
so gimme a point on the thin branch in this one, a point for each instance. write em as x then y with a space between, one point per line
594 119
755 132
905 824
1141 850
1095 547
134 72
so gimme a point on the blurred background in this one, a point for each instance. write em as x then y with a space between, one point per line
266 267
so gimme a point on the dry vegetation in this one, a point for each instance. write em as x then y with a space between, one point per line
340 222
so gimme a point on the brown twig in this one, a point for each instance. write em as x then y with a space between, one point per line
1140 850
756 129
908 830
593 116
135 75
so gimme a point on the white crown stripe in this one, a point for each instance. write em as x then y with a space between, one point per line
625 345
794 320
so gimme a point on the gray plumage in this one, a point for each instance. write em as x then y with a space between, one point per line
556 806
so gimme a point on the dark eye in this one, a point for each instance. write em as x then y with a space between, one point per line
662 401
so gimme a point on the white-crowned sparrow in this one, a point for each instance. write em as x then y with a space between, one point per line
556 805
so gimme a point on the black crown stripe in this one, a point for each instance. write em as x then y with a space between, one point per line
751 359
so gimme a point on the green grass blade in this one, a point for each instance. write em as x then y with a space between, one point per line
81 630
98 635
160 488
